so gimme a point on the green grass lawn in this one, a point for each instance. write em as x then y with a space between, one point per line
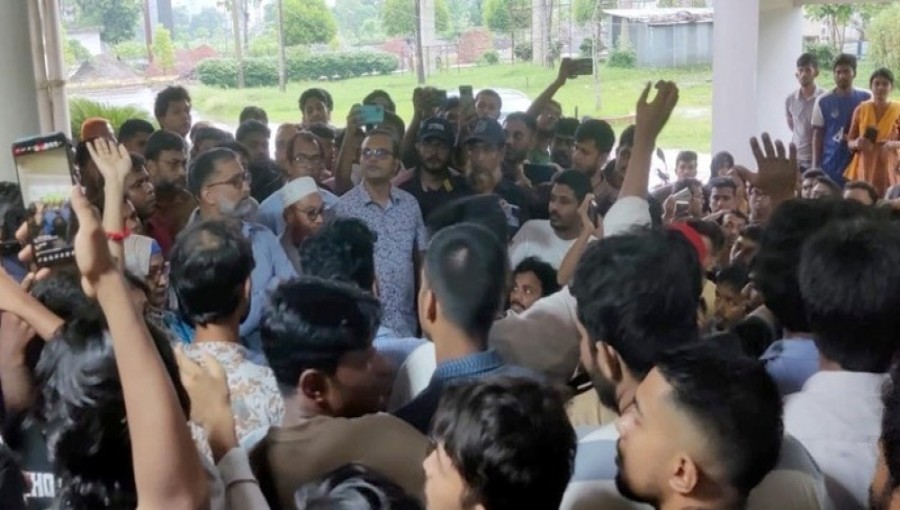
620 88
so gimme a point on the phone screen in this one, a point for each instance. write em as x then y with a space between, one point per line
46 173
372 114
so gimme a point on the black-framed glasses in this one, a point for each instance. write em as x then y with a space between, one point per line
375 153
237 181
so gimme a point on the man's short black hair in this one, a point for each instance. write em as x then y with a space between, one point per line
736 276
489 92
734 403
723 182
510 441
484 210
162 140
687 182
376 94
864 186
344 250
466 268
168 95
639 293
845 59
253 112
543 271
392 121
529 120
849 276
312 323
316 93
813 173
721 159
832 186
238 148
626 137
808 59
211 133
686 156
251 127
753 232
597 131
211 262
776 266
890 431
354 487
204 165
577 181
709 230
132 127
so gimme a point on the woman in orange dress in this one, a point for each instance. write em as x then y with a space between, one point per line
875 136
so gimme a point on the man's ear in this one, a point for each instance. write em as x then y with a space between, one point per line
431 306
248 288
315 386
375 288
685 475
610 363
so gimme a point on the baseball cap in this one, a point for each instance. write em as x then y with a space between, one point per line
297 190
566 127
438 128
487 131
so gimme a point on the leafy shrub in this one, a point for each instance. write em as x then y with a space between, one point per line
131 51
523 51
489 58
587 47
884 38
81 109
263 72
623 56
823 52
75 53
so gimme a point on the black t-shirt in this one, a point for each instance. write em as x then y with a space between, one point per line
266 179
430 200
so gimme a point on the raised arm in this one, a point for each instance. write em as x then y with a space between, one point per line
408 147
114 163
167 468
589 230
777 173
650 120
566 68
343 169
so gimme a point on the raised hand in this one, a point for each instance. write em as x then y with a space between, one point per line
91 249
777 168
652 116
567 70
113 161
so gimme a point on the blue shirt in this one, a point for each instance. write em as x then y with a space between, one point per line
791 361
394 348
421 409
271 211
401 234
833 113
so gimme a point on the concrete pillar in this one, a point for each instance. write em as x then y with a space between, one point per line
17 86
756 45
429 35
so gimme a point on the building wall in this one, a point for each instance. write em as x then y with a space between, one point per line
664 46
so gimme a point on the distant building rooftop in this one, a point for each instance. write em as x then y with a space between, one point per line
671 16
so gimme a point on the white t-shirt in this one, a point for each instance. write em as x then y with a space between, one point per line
537 238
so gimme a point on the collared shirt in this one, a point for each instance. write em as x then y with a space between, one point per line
430 200
796 483
837 417
833 112
421 409
401 235
791 361
271 211
255 399
395 348
799 109
271 268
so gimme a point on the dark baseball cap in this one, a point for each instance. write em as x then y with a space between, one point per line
566 127
436 128
487 131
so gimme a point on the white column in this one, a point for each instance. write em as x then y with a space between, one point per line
17 86
429 36
756 45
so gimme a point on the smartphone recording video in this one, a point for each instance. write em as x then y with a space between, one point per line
46 173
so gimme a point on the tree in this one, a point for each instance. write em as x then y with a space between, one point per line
206 22
835 17
398 18
308 22
884 38
358 20
118 19
163 50
507 16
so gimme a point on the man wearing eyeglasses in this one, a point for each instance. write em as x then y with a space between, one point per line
222 189
305 158
304 212
396 219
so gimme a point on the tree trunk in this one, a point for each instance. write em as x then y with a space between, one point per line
238 51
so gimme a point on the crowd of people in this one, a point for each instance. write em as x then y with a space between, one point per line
460 312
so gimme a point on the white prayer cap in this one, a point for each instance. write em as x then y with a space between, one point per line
297 190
